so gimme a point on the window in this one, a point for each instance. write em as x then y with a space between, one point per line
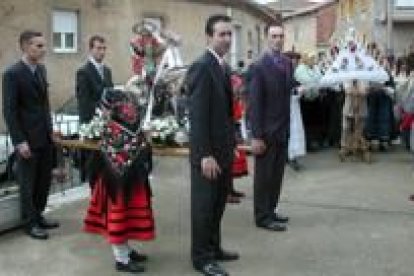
364 5
65 31
296 33
404 4
250 38
351 8
154 21
343 11
258 39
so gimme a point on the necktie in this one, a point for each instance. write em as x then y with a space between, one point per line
279 61
39 80
101 71
38 76
276 57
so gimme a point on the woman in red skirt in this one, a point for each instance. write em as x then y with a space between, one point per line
239 167
120 206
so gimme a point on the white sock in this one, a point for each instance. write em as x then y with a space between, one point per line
121 252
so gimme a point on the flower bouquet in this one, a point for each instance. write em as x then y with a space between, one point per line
167 132
93 130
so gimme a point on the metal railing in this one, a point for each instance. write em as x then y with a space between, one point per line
66 170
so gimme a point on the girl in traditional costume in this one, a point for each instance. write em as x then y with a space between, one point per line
120 206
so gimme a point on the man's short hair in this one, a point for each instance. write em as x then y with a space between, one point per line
94 38
272 24
27 35
213 20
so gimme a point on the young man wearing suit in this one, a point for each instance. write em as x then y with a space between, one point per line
91 80
27 115
270 91
212 144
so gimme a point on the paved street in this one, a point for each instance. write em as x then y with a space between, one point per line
346 219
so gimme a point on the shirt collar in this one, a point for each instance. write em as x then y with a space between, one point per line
219 59
98 65
31 66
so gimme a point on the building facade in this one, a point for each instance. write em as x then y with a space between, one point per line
68 24
309 30
389 23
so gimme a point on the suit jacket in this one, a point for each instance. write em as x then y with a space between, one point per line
26 106
269 96
89 89
211 123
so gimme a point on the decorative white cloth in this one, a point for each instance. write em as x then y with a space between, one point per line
309 78
296 147
356 65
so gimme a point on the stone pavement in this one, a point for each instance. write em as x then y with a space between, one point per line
347 219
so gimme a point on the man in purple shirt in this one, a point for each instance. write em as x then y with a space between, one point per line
270 91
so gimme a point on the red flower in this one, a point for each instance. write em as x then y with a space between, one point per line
115 128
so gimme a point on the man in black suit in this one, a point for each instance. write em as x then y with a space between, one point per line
27 115
212 144
91 80
270 91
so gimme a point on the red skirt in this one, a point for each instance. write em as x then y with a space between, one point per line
407 121
240 167
120 221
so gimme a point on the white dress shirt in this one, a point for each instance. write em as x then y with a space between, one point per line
98 65
220 60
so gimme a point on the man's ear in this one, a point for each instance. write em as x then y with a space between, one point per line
23 47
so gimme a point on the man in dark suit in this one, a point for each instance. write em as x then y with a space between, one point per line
27 115
91 80
270 91
212 143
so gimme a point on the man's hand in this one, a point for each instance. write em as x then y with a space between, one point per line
210 168
23 150
300 90
258 146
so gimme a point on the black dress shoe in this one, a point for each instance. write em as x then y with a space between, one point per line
131 266
37 233
48 224
137 257
226 256
273 226
237 193
280 218
212 269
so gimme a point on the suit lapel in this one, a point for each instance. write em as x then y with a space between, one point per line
221 76
106 77
217 71
41 80
95 72
280 73
37 85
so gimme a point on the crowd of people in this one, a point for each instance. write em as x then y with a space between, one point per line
276 104
317 113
